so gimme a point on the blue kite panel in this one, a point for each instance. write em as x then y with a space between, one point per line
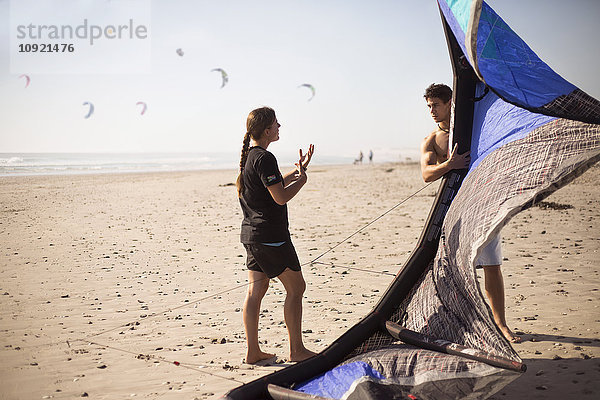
496 122
454 24
336 382
462 12
505 61
511 68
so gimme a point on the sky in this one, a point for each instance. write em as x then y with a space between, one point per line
369 63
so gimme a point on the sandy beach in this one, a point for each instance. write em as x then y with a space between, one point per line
118 286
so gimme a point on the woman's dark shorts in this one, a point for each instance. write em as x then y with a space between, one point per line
272 260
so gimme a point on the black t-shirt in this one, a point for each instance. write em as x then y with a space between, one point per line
265 221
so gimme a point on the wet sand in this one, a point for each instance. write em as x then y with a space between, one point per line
131 286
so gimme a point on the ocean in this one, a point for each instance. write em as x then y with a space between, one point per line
23 164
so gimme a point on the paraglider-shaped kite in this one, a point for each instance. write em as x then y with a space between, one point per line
27 79
90 110
179 52
144 106
312 89
224 76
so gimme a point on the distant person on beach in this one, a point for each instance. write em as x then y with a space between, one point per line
370 156
437 160
359 159
263 194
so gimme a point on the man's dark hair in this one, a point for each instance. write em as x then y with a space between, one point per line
439 90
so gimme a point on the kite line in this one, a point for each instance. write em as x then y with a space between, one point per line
370 223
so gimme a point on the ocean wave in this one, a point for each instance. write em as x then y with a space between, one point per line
11 161
81 163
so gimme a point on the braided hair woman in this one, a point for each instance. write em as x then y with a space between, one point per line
264 192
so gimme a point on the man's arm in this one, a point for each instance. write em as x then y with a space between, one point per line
431 170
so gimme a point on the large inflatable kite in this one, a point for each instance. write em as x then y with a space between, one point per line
432 336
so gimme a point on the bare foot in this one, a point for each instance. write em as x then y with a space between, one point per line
302 355
258 357
509 335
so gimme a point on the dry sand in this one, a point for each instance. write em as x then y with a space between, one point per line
131 286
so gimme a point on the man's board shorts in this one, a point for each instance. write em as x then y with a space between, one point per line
272 258
491 254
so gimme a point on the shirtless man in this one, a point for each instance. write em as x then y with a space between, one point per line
435 162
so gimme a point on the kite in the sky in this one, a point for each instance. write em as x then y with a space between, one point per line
90 110
224 76
27 79
312 89
144 106
179 52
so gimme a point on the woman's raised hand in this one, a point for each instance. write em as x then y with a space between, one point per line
305 158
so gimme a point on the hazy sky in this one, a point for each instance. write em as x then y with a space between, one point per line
369 62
